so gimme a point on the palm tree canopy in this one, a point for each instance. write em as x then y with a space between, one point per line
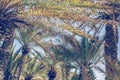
83 51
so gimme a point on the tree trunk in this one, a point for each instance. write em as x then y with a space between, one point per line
111 39
63 71
85 74
5 53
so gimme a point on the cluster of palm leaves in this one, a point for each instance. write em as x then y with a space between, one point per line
58 39
81 56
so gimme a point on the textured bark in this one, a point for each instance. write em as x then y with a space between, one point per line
63 72
111 37
85 74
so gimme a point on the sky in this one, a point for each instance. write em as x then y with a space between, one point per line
119 43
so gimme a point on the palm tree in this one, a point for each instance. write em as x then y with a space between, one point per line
30 68
111 40
8 23
13 63
25 51
52 65
110 17
52 73
33 67
111 37
81 54
24 39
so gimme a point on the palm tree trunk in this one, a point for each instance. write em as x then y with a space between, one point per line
85 74
111 39
64 67
63 71
5 52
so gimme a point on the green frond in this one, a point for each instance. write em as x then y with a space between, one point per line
33 67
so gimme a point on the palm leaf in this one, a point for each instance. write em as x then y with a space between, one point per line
39 54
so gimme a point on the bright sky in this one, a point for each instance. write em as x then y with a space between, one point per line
119 43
